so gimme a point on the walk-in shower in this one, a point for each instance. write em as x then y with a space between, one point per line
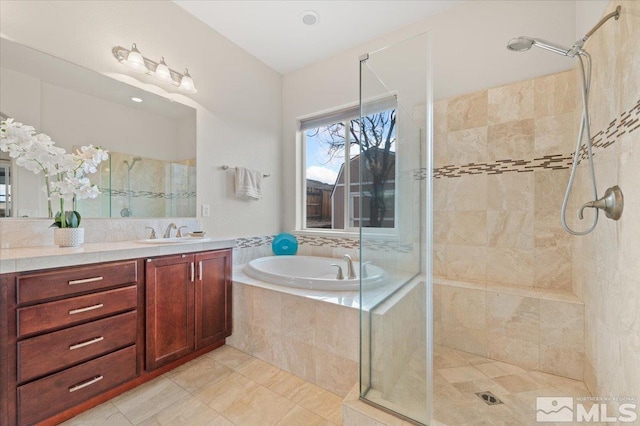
612 202
127 211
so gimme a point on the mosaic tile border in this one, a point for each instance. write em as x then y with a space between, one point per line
250 242
331 242
149 194
627 122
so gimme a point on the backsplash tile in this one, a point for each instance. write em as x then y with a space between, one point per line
16 232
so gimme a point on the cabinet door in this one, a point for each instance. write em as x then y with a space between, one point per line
213 297
170 309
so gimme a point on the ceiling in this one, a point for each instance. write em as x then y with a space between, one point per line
273 31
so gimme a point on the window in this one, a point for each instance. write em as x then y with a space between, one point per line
332 196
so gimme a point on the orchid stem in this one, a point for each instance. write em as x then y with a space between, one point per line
63 222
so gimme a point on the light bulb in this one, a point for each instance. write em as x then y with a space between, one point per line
186 84
162 72
135 61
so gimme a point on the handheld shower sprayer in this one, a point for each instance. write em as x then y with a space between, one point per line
524 43
612 202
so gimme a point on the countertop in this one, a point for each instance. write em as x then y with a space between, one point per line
34 258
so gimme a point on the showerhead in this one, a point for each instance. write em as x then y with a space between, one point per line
522 43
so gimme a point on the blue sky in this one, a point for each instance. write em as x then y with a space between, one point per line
319 165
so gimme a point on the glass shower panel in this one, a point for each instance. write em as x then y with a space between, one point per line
395 311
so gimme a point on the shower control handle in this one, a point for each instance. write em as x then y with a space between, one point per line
612 203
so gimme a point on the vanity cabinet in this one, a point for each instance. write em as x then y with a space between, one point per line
188 304
75 335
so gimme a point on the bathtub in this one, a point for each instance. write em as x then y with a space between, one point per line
314 273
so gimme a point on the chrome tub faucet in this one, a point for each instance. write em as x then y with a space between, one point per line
351 273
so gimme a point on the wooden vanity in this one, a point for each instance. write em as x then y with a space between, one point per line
73 337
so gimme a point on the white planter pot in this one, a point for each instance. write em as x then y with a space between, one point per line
68 237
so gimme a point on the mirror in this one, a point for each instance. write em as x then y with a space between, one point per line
151 171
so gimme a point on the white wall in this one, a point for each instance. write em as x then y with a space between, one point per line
588 13
468 54
238 103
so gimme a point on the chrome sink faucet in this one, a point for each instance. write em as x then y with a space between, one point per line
167 233
351 273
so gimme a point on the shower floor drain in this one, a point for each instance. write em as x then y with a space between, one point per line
489 398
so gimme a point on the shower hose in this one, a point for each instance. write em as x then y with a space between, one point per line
584 129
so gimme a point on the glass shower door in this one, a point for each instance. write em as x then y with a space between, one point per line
394 179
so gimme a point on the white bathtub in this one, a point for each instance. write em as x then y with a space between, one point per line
315 273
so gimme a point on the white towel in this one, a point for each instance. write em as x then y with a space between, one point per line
248 183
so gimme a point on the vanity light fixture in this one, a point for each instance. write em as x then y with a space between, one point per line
162 71
134 60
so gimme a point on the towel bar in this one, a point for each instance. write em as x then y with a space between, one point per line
225 167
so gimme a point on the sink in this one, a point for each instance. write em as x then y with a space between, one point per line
174 240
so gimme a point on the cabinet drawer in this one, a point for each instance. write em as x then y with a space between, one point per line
46 397
69 281
54 351
52 315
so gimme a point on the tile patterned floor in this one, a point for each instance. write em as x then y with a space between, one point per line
459 375
225 387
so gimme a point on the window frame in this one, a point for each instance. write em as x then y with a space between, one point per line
345 115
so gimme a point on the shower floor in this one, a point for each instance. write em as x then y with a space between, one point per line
458 376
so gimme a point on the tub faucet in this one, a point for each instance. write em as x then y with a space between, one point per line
340 276
365 271
351 274
167 233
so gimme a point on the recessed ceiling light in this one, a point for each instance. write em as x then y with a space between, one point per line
310 17
134 99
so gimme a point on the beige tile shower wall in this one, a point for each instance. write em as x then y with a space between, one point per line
315 340
536 330
398 330
504 228
606 270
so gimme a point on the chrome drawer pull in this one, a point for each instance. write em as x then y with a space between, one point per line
85 384
87 343
88 308
85 281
